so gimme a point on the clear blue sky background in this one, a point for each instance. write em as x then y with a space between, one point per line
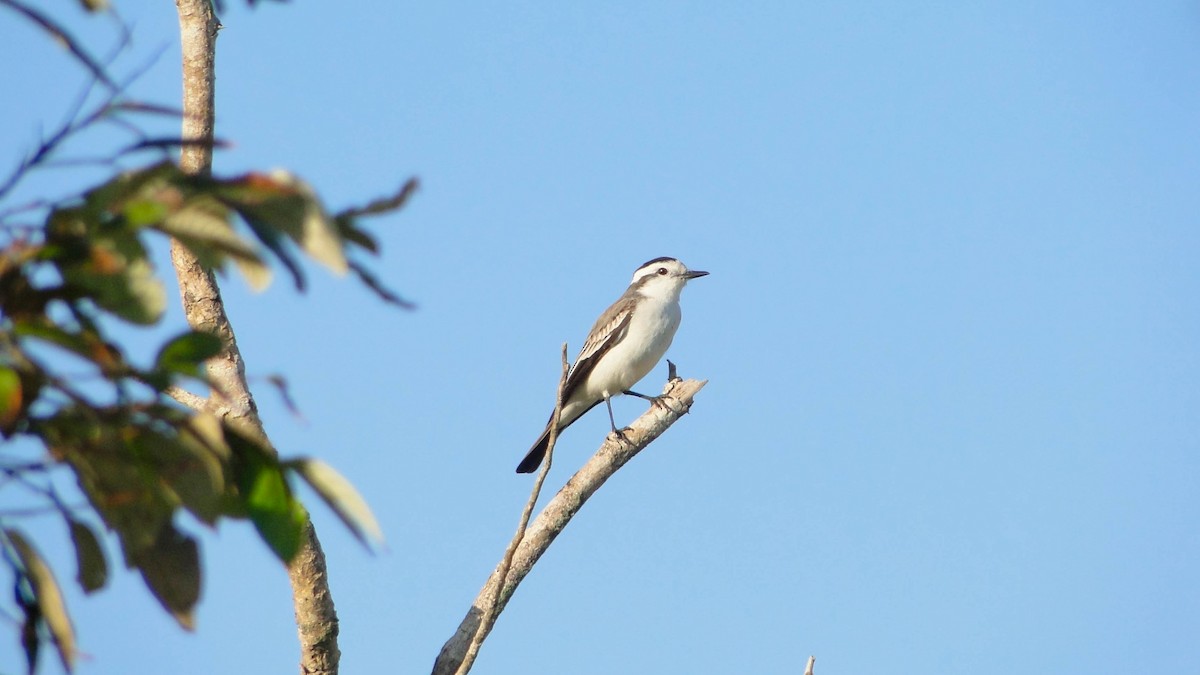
951 330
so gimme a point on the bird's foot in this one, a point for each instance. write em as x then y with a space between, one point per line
660 402
620 434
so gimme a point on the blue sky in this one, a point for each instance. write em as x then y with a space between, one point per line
950 329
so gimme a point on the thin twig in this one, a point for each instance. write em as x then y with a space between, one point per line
372 282
383 204
81 161
187 398
73 124
107 109
140 70
40 465
489 617
24 208
62 36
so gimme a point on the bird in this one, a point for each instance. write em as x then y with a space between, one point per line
625 343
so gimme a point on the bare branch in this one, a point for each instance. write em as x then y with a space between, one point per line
615 452
316 620
285 394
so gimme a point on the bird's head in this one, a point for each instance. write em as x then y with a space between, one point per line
662 278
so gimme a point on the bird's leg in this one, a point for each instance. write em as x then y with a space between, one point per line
612 421
654 400
657 400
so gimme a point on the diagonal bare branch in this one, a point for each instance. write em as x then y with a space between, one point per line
488 620
676 401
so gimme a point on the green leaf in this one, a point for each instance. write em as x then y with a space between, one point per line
356 235
143 212
202 222
136 469
282 204
175 470
11 399
49 597
106 450
274 241
320 237
29 632
187 353
91 563
135 293
275 513
255 271
204 428
203 225
153 183
341 496
107 263
85 344
279 518
171 569
94 5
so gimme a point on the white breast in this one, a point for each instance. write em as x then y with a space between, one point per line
651 330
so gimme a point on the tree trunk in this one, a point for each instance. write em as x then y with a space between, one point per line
316 619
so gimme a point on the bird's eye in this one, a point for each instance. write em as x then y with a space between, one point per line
662 271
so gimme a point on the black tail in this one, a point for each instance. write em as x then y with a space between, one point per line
534 459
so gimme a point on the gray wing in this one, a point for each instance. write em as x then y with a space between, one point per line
610 329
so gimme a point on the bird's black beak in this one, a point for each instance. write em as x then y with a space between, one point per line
695 274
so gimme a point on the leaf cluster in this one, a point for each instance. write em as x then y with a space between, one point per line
140 458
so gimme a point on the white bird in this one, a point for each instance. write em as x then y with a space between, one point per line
629 338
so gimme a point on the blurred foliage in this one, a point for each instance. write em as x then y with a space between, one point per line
73 269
